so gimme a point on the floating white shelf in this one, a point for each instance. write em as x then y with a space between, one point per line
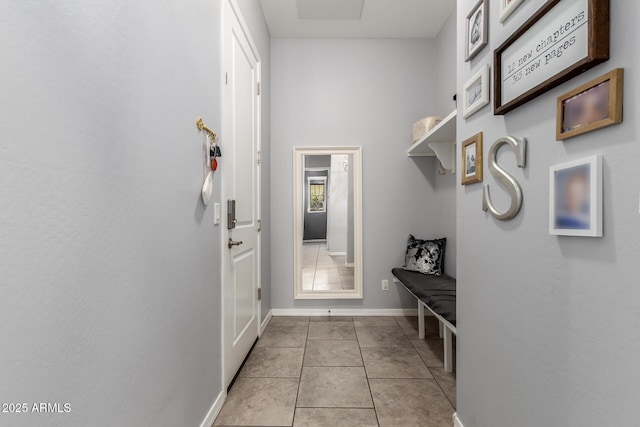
440 142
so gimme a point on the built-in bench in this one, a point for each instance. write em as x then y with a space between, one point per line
438 295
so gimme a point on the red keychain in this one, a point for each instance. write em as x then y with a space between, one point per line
214 164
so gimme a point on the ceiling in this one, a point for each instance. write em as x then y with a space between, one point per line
340 18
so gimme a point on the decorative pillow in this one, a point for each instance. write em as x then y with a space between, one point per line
425 256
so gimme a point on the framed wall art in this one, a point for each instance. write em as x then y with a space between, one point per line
575 198
592 106
507 7
563 39
472 160
476 92
477 29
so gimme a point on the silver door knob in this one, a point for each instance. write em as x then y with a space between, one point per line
233 243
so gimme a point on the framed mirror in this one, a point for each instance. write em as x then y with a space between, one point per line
327 222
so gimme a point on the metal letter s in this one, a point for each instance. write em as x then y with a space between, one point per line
510 184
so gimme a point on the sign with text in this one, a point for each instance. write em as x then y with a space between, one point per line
556 44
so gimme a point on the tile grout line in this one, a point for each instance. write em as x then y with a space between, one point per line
295 404
429 369
315 271
366 375
442 390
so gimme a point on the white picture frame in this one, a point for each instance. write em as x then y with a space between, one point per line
575 198
507 7
476 92
477 29
316 180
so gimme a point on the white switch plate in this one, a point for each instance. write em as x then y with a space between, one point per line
385 285
216 213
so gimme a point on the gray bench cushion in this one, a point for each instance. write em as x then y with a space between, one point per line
437 292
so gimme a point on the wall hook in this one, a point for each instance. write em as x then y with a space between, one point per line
203 128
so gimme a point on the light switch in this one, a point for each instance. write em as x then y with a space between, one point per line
216 213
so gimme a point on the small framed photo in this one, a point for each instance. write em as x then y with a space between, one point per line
477 29
575 198
475 93
592 106
507 7
472 160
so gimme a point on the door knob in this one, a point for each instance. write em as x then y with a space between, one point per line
233 243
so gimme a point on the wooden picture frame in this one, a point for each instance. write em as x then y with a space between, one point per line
472 160
477 29
560 41
575 198
476 92
594 105
507 7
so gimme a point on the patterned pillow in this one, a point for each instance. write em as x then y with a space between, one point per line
425 256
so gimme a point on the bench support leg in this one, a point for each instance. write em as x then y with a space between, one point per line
448 350
421 333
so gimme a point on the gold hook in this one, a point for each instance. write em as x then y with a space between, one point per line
202 127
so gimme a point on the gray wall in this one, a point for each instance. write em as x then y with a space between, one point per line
350 215
445 67
317 161
444 216
543 320
110 261
354 92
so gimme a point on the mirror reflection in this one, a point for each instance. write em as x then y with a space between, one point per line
328 222
328 226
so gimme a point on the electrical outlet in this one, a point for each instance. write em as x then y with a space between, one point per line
385 285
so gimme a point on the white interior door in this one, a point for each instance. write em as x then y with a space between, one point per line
240 170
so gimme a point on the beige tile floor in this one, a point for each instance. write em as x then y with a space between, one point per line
323 272
343 371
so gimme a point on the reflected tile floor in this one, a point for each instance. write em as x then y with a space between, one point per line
343 371
323 272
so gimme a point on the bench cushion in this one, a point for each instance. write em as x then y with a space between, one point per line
438 292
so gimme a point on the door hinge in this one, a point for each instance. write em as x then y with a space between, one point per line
259 157
259 294
259 225
258 88
226 78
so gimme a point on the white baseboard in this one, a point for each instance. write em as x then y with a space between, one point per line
456 420
337 253
345 311
266 321
214 410
349 264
